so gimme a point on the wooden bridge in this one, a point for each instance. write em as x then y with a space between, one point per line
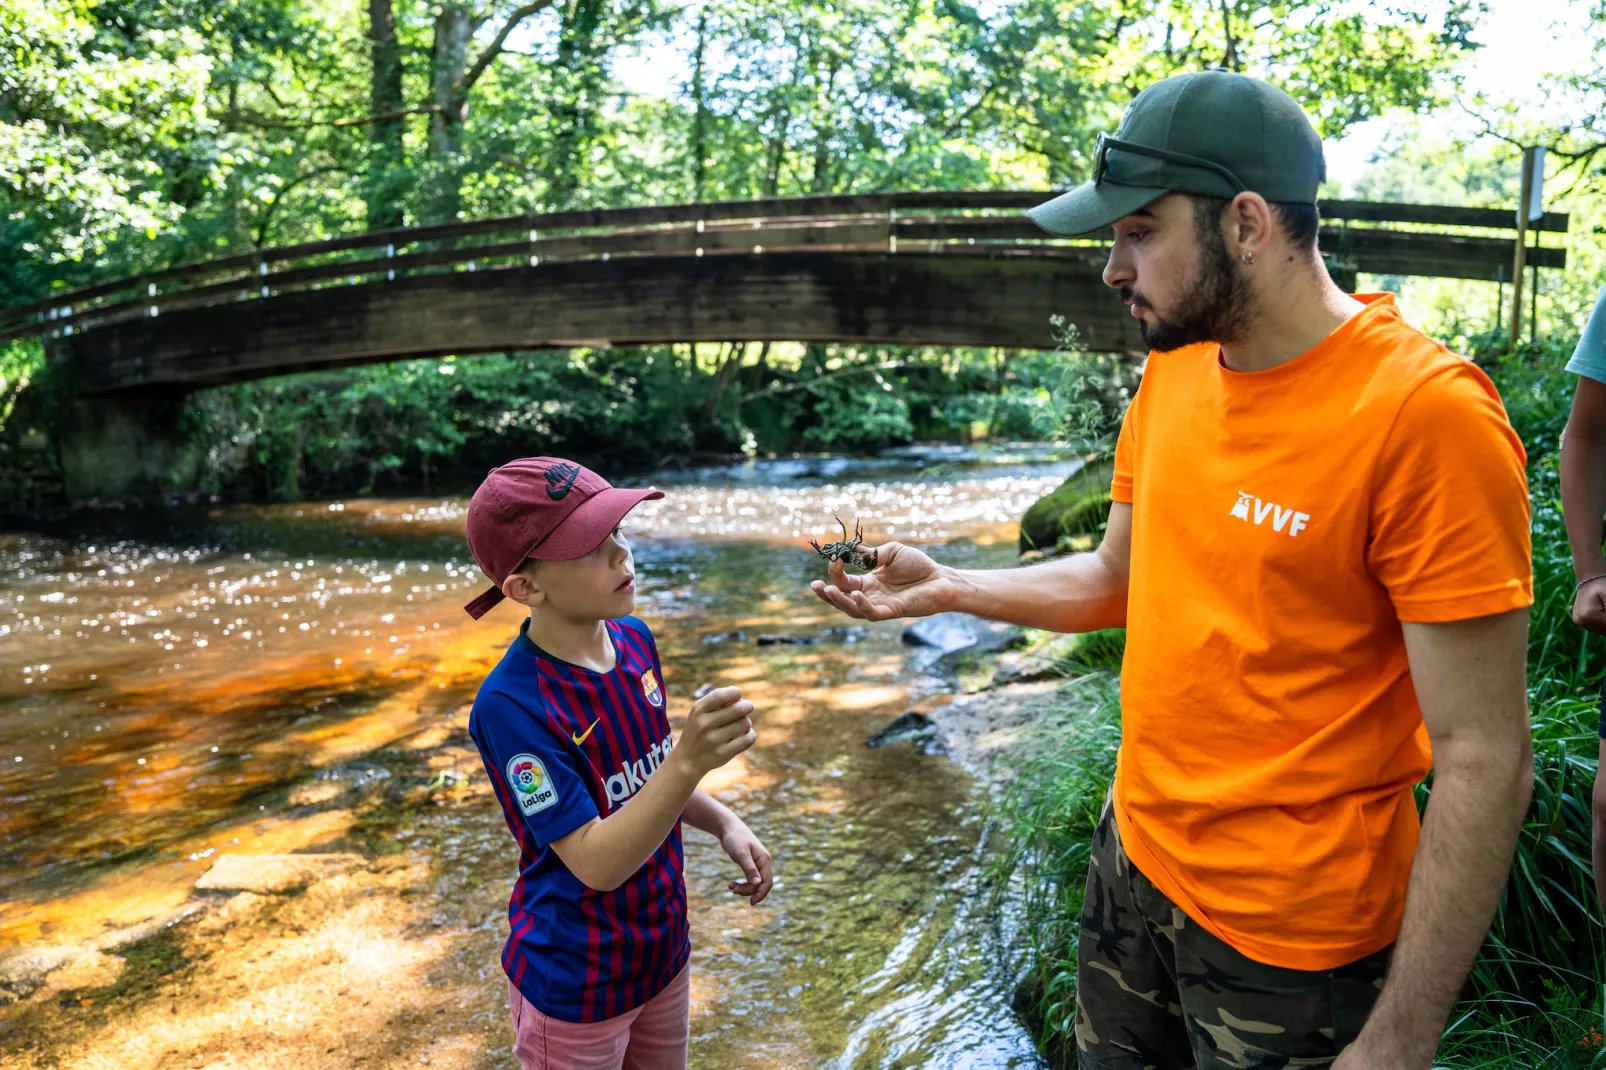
920 268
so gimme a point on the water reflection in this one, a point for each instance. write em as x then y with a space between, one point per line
237 679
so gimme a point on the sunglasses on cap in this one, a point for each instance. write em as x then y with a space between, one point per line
1105 143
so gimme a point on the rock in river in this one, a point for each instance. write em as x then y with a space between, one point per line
916 727
949 633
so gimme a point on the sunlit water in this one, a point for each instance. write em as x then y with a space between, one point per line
233 681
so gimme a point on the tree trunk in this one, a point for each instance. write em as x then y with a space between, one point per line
820 182
699 122
449 63
576 113
387 152
722 378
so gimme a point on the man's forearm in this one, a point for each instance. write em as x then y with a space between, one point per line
1462 862
1079 593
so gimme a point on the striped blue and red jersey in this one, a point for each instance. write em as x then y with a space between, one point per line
562 745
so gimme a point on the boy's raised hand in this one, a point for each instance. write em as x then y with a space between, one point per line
717 730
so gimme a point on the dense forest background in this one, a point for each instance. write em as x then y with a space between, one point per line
136 134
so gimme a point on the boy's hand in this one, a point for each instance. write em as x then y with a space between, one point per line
717 730
905 583
745 850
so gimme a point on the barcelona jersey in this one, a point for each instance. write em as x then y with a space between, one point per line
562 745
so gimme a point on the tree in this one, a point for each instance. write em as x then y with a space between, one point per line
82 133
452 80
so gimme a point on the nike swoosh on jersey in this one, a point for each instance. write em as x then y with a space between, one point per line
578 740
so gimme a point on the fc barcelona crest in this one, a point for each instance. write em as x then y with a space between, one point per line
651 690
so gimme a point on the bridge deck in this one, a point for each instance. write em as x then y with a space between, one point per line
927 268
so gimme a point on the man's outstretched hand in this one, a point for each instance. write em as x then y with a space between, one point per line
905 583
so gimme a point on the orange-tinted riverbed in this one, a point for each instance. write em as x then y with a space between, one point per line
296 678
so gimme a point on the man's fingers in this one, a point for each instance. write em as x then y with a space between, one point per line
840 578
842 601
868 610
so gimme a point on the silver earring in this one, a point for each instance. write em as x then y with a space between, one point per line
1248 258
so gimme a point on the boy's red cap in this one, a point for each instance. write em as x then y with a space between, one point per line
542 507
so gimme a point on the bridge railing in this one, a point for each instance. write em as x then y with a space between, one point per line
1438 240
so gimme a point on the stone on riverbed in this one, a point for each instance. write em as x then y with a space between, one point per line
949 633
916 727
273 873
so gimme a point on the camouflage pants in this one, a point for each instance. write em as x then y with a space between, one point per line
1155 991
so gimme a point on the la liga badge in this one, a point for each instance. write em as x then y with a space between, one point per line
531 786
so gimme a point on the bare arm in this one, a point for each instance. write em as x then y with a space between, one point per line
605 852
1583 500
1470 679
707 813
1078 593
1583 497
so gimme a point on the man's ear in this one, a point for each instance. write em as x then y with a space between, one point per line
1248 228
522 588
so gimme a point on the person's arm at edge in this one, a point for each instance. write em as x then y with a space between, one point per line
1583 495
1583 501
1470 679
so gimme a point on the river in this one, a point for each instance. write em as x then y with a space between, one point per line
292 678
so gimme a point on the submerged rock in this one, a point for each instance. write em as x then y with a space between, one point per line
273 873
787 640
950 633
916 727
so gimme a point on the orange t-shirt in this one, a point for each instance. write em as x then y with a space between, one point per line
1284 523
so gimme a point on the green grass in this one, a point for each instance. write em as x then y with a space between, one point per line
1534 997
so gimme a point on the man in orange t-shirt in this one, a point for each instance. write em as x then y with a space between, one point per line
1319 548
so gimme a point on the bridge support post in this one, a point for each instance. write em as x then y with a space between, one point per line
126 447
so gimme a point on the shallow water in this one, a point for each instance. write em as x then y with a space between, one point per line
235 679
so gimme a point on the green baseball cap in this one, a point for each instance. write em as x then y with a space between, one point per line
1212 133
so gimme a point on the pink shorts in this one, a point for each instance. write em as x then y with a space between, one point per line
651 1037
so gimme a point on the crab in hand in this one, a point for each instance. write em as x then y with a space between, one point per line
848 550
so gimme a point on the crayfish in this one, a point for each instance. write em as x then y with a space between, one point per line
847 549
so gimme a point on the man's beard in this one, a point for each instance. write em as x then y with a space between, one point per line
1216 308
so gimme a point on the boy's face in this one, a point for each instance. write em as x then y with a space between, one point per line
599 586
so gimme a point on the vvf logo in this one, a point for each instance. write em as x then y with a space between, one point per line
1280 518
531 786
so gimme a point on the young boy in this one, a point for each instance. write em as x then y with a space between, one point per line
572 728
